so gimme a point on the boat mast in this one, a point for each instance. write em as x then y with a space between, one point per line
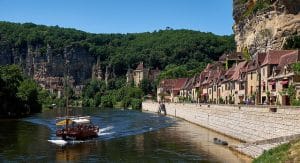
66 91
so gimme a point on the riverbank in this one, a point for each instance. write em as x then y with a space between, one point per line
259 128
289 152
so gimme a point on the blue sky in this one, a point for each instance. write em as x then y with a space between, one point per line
123 16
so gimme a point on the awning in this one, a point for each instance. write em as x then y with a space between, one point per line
204 94
64 122
271 83
284 82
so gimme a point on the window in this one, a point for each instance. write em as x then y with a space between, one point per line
251 76
274 87
251 90
264 88
242 86
263 73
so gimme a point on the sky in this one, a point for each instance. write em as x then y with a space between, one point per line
123 16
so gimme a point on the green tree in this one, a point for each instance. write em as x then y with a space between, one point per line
146 86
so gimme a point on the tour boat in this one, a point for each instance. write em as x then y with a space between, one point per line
76 128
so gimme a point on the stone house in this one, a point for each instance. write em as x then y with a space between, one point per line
170 89
226 86
268 95
202 86
197 91
253 78
239 82
164 89
179 84
282 77
187 90
213 87
209 82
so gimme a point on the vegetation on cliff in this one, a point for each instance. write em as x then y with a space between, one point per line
19 95
292 43
122 51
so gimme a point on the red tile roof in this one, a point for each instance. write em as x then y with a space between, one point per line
288 59
238 70
167 83
256 62
273 56
180 83
174 84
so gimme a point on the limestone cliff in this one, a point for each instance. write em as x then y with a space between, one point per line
73 60
262 25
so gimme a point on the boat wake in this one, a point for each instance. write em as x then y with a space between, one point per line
106 131
62 143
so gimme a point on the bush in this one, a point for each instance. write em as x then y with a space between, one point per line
125 102
296 102
106 101
136 104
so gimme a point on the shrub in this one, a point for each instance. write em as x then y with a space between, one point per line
136 104
106 101
125 102
296 102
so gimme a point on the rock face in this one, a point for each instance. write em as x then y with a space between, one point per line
262 25
73 60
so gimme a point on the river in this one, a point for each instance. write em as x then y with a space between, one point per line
126 136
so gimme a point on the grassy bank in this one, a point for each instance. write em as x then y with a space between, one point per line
289 152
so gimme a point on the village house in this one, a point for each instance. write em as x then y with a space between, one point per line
253 78
226 87
197 89
282 77
270 62
202 87
213 83
164 90
209 82
263 80
239 83
169 89
186 91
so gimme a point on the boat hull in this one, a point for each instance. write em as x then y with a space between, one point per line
78 132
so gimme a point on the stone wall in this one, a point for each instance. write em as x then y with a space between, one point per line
248 124
260 128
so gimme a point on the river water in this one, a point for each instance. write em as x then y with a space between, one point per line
126 136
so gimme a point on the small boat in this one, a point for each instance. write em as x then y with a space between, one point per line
76 128
220 142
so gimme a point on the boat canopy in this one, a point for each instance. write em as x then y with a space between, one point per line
74 120
64 122
81 121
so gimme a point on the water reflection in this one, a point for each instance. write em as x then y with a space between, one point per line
127 136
